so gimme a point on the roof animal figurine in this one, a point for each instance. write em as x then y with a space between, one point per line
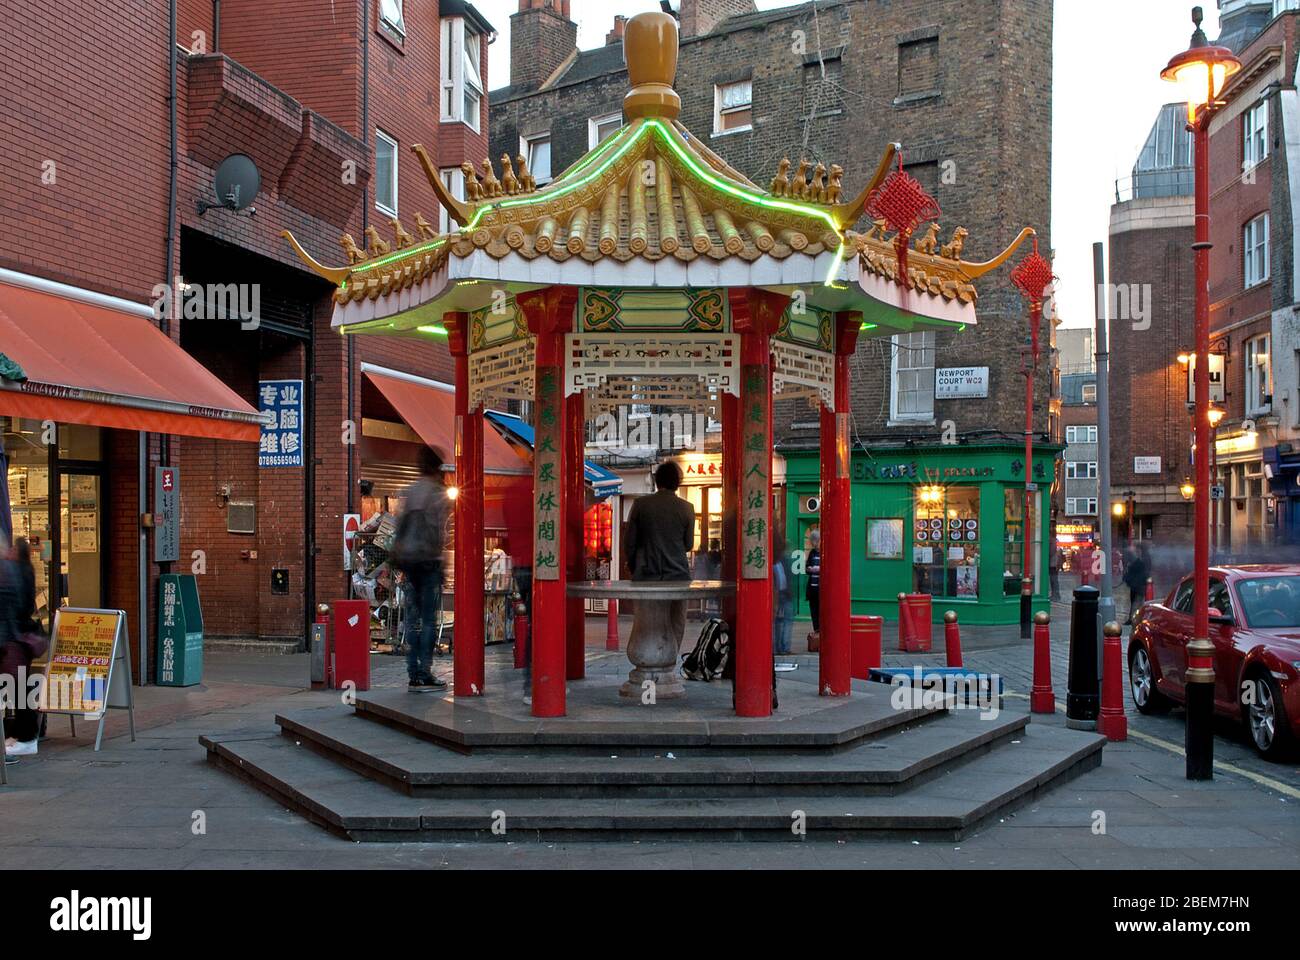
355 254
401 238
816 187
509 182
930 240
799 183
834 187
953 248
527 184
781 182
424 228
491 185
376 245
473 189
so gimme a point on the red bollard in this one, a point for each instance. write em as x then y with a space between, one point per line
952 638
904 624
521 635
1151 589
611 625
1112 722
1041 698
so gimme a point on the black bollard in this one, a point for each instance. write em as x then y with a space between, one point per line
1083 690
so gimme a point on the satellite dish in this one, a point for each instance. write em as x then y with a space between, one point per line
235 183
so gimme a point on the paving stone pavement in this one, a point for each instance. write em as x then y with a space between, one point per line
139 805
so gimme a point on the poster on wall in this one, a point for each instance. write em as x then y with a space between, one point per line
885 538
281 404
85 531
968 581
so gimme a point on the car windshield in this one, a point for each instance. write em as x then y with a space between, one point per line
1271 601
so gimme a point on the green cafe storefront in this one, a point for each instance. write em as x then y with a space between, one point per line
947 520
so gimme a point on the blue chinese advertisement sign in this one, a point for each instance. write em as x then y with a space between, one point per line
280 402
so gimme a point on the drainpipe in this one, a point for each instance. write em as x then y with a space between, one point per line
216 26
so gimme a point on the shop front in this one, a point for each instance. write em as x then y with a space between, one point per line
86 382
946 520
1075 541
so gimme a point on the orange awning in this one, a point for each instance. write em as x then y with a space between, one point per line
89 361
431 412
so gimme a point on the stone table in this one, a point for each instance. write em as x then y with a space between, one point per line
652 647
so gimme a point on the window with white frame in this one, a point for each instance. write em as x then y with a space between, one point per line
537 151
600 129
1259 376
1081 506
1080 469
462 74
385 173
454 178
733 106
1254 135
1089 393
1254 245
1081 434
390 15
912 374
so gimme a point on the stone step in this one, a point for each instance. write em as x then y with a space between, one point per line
946 807
884 764
598 720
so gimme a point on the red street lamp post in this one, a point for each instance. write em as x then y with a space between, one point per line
1032 276
1202 70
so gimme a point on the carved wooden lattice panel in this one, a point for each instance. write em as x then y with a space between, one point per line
503 371
710 358
802 371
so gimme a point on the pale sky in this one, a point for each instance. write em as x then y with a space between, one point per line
1107 92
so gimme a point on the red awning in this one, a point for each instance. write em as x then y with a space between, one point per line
431 412
88 361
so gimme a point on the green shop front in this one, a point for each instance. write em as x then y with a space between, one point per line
946 520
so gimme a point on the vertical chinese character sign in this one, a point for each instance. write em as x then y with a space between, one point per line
281 403
546 477
755 465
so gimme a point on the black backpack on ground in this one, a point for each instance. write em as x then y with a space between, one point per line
712 651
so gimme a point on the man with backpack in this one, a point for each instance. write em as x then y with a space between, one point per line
417 552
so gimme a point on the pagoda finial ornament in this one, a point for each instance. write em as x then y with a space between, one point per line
650 52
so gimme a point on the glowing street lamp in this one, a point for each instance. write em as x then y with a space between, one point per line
1187 488
1201 72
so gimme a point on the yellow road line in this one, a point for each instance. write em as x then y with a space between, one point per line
1279 786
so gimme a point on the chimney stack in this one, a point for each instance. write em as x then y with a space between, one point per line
541 38
616 35
698 17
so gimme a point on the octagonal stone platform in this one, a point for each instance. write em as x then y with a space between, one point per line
409 766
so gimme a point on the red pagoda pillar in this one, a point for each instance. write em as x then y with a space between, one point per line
755 316
549 313
575 428
836 455
467 660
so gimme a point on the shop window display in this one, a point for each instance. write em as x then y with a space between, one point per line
946 541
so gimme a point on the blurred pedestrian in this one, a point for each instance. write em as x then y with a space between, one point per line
22 640
1136 573
813 590
417 552
782 595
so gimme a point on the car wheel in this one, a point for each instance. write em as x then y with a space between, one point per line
1270 730
1142 683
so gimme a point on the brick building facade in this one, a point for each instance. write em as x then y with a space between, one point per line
310 98
834 83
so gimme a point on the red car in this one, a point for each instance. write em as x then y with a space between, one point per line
1255 628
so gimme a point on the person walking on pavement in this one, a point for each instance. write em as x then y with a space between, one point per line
660 532
813 590
782 595
417 551
1054 571
22 639
1136 572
